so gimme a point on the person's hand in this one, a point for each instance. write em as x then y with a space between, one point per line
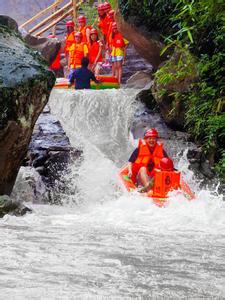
130 174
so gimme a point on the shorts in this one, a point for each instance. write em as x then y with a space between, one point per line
117 58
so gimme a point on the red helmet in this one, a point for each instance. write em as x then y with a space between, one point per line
78 34
93 31
152 132
69 24
51 36
114 25
111 13
107 6
81 19
166 164
101 7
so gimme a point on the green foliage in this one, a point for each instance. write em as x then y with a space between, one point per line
194 31
181 65
90 12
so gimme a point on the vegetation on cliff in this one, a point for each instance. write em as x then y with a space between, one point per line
194 34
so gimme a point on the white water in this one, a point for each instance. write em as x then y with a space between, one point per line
103 244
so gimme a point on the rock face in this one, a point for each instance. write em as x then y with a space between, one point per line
25 85
148 47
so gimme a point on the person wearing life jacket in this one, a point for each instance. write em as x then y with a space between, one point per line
144 159
119 45
103 20
56 65
111 15
69 40
77 51
107 7
95 52
84 29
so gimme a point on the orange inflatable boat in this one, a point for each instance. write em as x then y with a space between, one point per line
107 82
164 182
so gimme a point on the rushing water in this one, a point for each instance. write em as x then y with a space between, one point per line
103 244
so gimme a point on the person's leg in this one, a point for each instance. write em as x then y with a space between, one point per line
119 68
98 68
113 66
116 69
144 180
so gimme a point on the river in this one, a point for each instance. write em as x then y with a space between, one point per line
102 243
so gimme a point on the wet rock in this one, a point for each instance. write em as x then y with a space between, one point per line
29 186
49 154
12 207
146 97
205 168
140 80
25 85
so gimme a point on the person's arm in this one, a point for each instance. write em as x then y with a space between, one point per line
130 164
99 53
86 50
94 78
72 77
131 160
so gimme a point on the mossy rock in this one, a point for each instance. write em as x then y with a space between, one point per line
25 85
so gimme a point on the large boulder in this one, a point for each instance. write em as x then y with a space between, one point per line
48 48
25 85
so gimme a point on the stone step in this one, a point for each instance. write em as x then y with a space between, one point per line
134 63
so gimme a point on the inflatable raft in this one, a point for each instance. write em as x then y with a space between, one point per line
164 182
107 82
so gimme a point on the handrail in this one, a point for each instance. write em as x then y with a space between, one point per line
69 12
53 16
41 13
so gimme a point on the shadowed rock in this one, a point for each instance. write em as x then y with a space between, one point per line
25 85
48 48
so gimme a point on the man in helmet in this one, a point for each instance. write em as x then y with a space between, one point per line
103 20
145 158
84 29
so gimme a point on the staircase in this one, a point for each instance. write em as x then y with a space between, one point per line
134 63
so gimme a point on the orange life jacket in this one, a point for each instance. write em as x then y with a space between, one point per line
103 25
165 181
56 63
83 30
69 41
109 34
118 41
93 52
145 156
76 54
